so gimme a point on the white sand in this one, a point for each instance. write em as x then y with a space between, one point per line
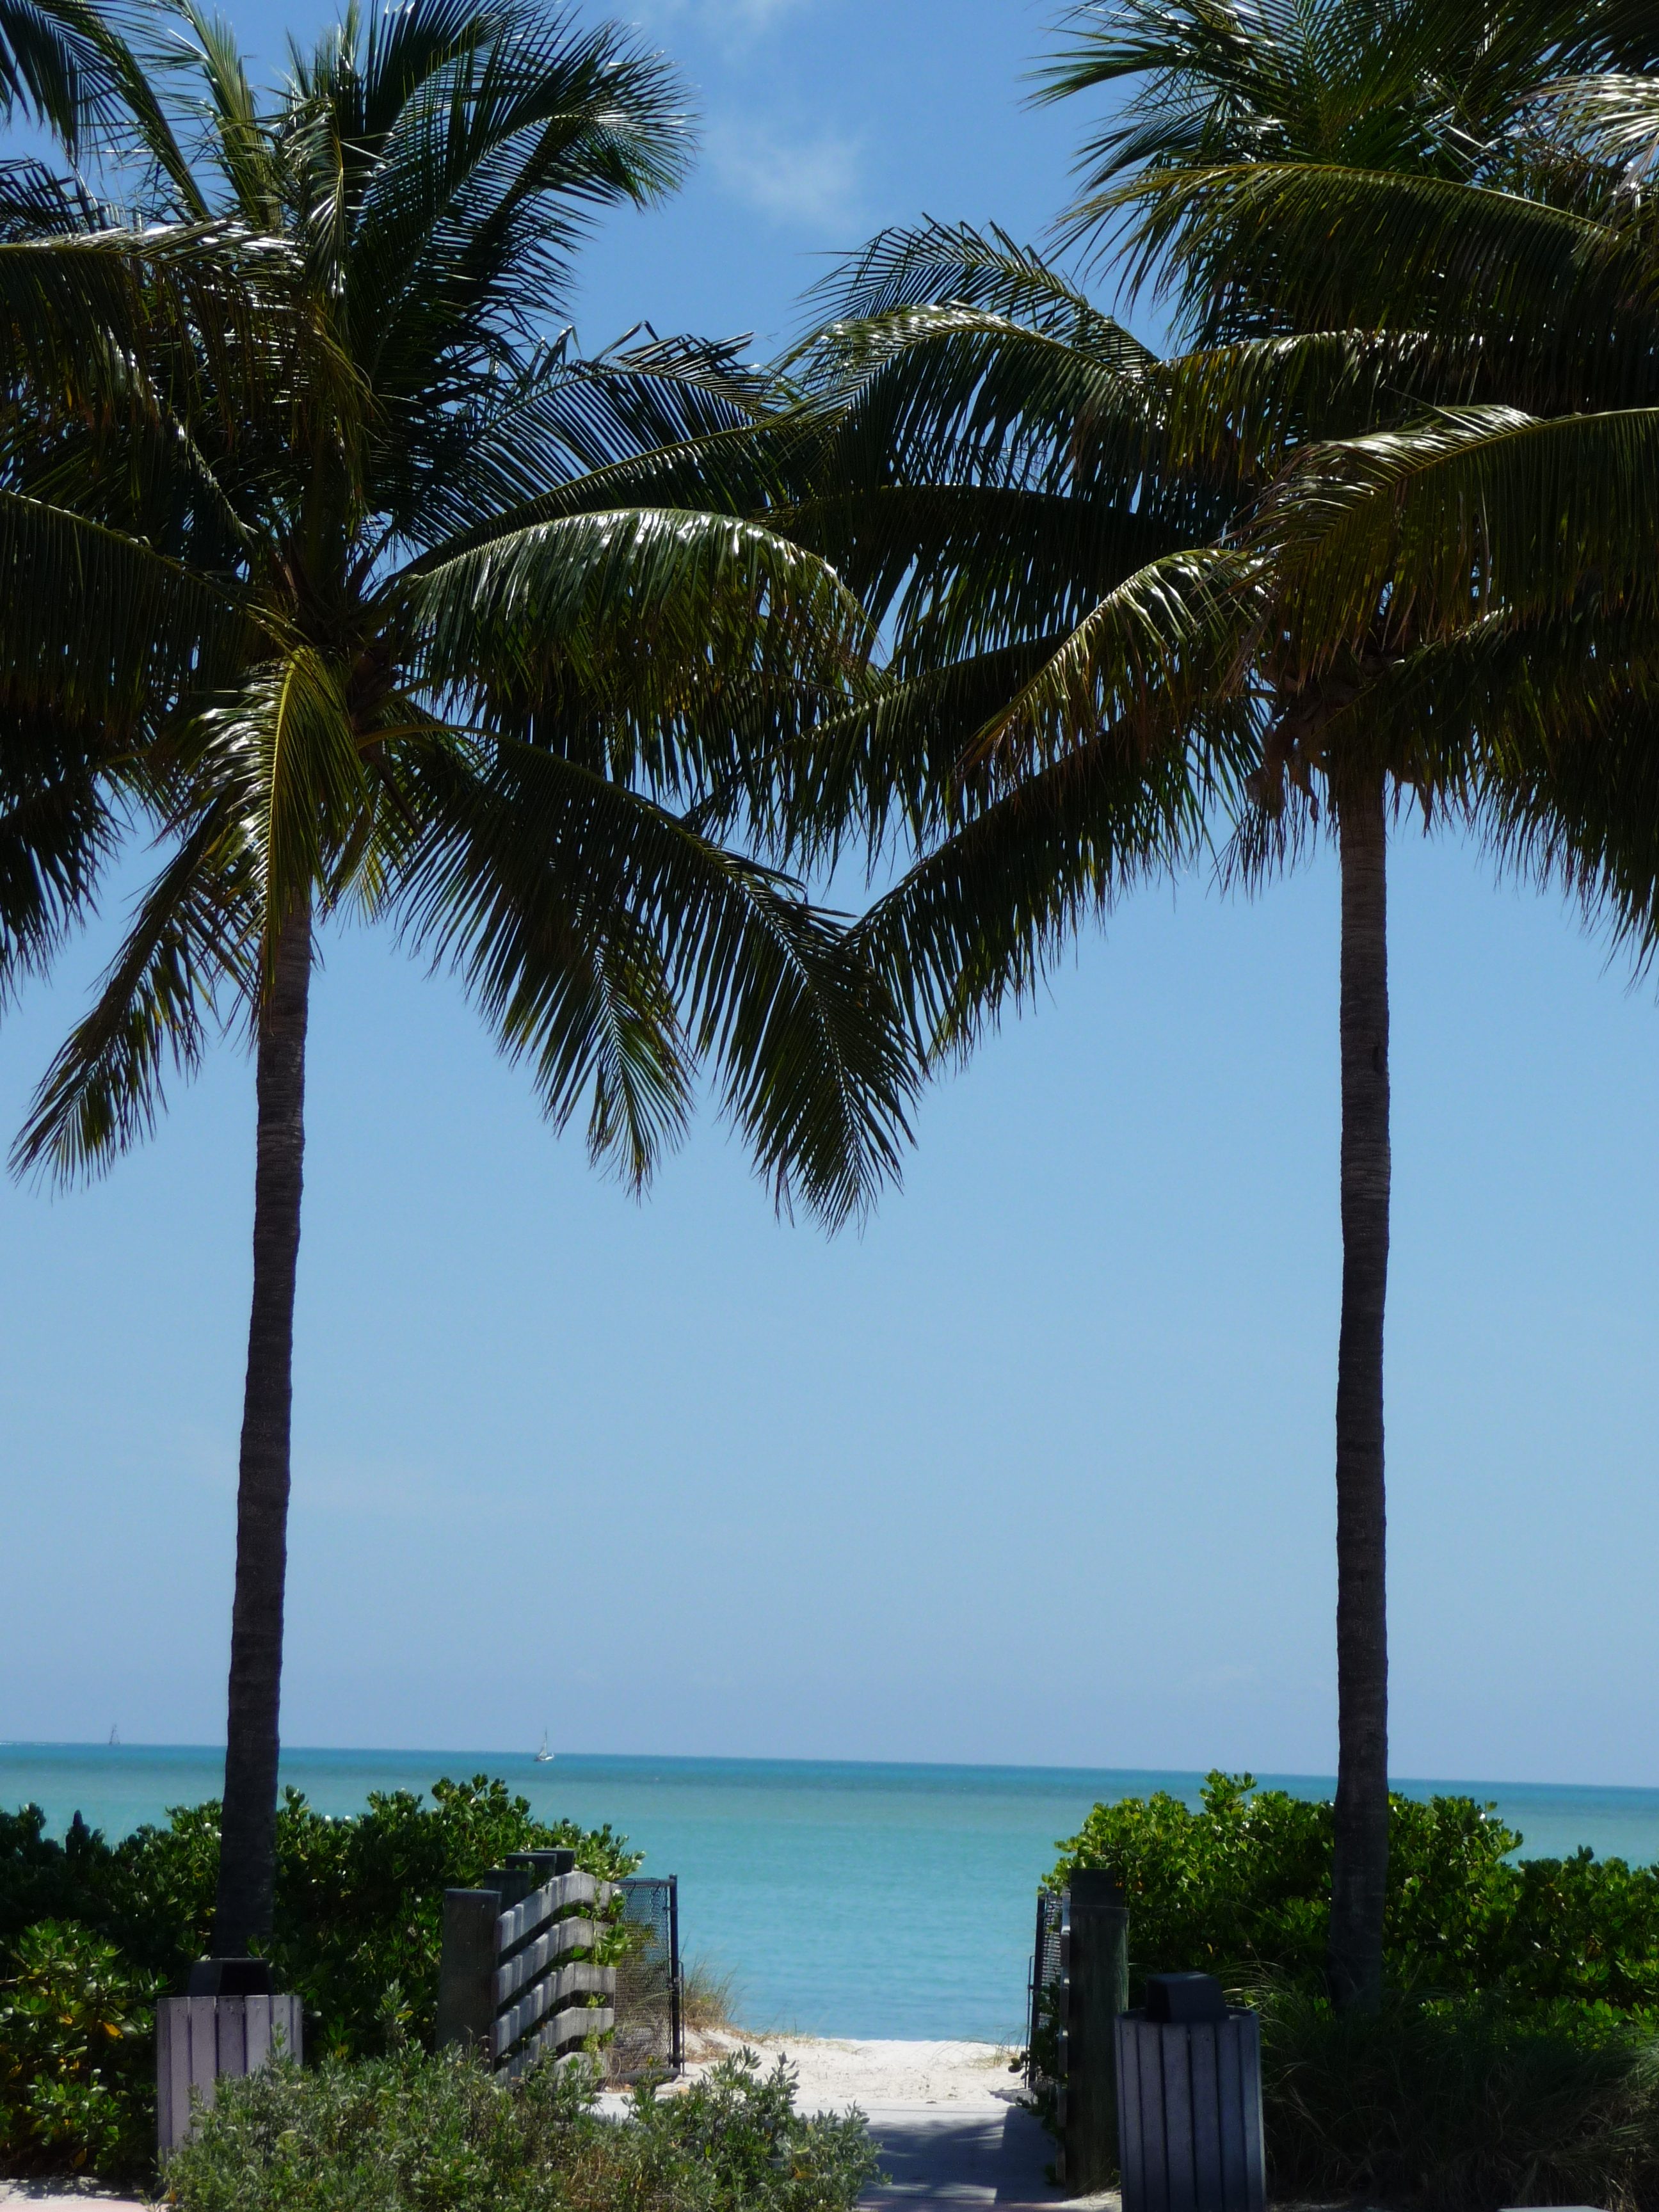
831 2075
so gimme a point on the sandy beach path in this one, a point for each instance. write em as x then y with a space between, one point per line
946 2116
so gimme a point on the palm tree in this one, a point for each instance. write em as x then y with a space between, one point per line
1098 647
63 66
1284 112
349 579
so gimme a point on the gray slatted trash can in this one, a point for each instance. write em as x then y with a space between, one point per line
1189 2101
229 2024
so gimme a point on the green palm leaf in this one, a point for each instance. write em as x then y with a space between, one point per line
614 946
1476 510
188 963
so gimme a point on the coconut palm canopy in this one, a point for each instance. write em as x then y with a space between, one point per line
62 67
1489 535
317 574
367 614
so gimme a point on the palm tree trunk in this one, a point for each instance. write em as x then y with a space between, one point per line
1359 1869
247 1849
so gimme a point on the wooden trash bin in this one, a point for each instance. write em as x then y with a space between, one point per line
200 2040
1190 2104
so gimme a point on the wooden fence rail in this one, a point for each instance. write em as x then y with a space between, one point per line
508 1985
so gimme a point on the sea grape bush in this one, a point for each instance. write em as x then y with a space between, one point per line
76 2056
1241 1889
105 1927
1515 2059
410 2131
359 1901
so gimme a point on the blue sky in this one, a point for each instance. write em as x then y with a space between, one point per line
1038 1468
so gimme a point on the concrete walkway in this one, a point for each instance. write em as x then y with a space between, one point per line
62 2197
966 2154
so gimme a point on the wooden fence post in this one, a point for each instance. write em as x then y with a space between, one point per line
544 1866
466 1969
1099 1967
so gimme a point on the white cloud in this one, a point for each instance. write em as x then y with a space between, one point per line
811 181
746 15
734 24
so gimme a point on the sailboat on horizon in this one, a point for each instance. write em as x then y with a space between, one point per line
544 1757
115 1739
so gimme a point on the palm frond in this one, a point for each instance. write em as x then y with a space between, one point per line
55 832
616 948
1161 647
242 141
1415 532
667 422
1251 250
937 264
643 610
193 941
972 927
94 626
283 753
511 129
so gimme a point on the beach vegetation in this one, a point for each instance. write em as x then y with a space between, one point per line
1240 1887
92 1932
408 2131
1459 2104
77 2061
357 1923
708 1997
1513 2058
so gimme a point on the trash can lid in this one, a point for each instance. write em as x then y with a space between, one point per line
1184 1998
230 1977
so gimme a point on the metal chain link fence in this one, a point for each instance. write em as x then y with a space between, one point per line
1045 2041
649 2030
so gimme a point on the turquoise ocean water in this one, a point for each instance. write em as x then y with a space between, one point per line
845 1900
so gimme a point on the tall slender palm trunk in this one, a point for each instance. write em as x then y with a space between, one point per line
1359 1869
247 1850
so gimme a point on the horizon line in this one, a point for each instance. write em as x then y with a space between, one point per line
1265 1778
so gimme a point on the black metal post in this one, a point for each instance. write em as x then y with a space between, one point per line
677 2011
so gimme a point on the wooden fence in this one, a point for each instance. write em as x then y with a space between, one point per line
508 1985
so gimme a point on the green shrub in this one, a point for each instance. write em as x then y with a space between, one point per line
410 2132
1242 1888
359 1901
1515 2060
1459 2105
86 1924
76 2065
